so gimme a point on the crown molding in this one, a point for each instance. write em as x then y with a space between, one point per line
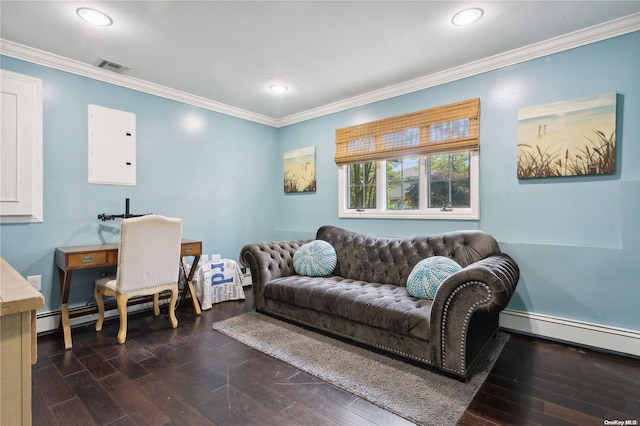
572 40
61 63
562 43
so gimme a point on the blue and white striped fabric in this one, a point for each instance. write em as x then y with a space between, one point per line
315 259
425 278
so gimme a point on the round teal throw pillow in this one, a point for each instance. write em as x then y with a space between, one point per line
428 274
315 259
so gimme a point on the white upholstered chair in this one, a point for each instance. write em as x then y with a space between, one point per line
148 260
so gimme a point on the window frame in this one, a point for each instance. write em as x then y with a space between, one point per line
381 212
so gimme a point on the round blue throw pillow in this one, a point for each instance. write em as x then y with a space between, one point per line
315 259
428 274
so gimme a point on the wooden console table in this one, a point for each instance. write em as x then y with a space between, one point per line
69 259
18 304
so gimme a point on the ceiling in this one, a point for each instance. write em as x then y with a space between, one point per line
325 52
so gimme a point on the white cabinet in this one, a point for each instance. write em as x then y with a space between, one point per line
20 148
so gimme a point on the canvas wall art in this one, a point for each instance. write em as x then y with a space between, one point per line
568 138
300 170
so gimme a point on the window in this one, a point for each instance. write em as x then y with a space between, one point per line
419 165
362 186
450 180
403 186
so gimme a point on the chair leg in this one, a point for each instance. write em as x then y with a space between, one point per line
172 307
156 306
121 300
100 302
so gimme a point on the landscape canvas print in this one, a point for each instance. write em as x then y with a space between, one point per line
568 138
300 170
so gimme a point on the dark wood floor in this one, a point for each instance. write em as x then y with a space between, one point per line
195 376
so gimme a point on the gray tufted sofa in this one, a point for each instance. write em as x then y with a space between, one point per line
365 299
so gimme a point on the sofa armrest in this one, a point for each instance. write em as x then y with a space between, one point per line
484 287
268 261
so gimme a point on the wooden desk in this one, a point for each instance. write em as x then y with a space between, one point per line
69 259
18 304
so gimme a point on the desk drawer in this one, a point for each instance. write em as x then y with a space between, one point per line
191 249
86 260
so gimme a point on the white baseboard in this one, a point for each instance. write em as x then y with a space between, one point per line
597 336
611 339
49 321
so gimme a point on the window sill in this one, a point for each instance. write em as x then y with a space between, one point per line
460 214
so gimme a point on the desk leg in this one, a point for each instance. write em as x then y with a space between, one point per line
66 325
194 298
189 283
65 284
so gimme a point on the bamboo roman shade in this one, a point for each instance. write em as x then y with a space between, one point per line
449 128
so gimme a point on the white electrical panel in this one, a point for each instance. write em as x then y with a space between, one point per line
112 146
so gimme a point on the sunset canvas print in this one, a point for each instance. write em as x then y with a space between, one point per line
568 138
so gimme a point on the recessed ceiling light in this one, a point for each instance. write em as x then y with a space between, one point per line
94 17
466 17
278 88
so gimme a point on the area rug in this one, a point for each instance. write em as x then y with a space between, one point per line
418 394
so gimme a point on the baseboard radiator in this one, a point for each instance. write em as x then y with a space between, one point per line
609 339
605 338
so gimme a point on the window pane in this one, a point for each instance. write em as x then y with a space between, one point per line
362 145
449 180
362 186
449 130
402 139
403 188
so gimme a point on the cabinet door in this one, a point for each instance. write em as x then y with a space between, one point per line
20 148
112 146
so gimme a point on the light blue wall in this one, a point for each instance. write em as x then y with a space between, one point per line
220 179
577 240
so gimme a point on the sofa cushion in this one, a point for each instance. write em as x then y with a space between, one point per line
385 306
315 259
425 278
390 260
